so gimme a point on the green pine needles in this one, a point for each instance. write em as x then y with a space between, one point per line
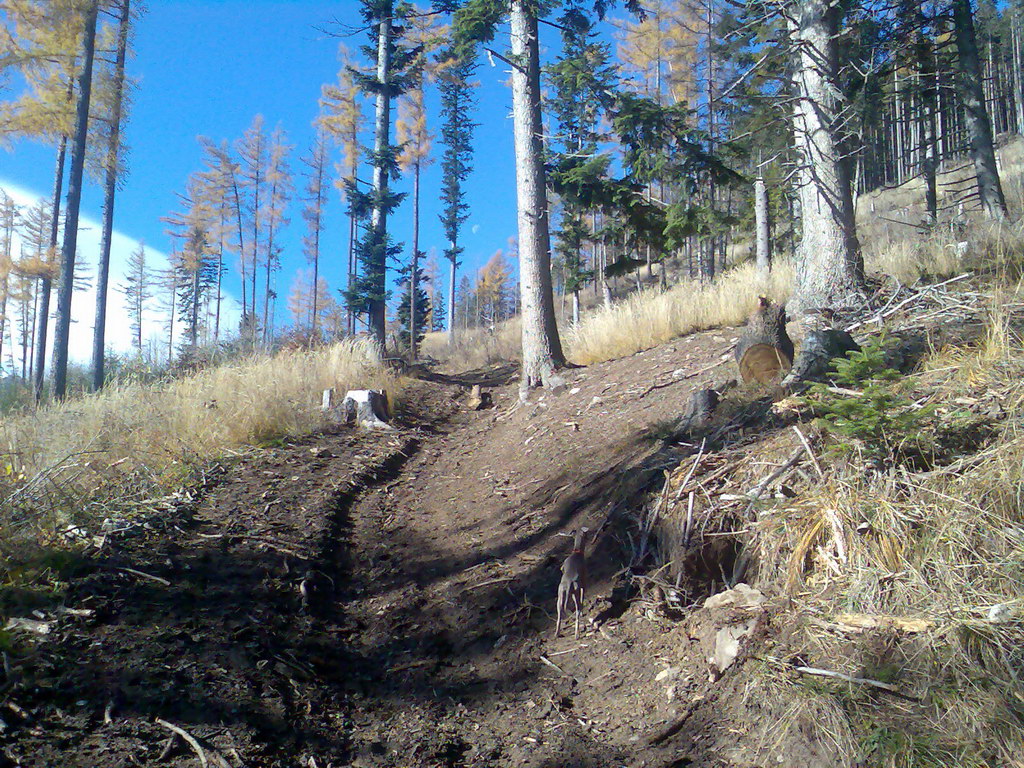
871 409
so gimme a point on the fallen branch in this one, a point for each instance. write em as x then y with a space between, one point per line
919 295
143 575
187 737
761 487
807 447
858 680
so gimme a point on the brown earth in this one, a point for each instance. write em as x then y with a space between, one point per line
387 599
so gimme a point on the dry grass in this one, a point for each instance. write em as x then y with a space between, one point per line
654 317
67 462
946 545
943 543
475 348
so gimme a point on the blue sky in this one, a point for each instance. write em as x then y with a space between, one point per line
207 68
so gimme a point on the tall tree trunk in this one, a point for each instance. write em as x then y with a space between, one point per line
451 302
45 288
764 254
378 217
926 98
542 348
979 128
413 277
65 286
1018 71
830 269
109 188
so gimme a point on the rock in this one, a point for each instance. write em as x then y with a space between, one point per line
740 596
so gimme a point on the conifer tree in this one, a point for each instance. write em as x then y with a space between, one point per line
138 290
279 192
342 119
979 125
830 268
252 185
457 103
62 330
8 222
542 347
313 214
369 292
415 141
114 168
412 330
438 312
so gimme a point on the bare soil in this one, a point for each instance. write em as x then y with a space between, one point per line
387 599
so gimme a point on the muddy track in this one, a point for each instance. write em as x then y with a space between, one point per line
369 599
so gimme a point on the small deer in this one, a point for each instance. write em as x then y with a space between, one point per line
574 582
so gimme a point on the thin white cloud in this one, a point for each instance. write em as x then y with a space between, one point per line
83 307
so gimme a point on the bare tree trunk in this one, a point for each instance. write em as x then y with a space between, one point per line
65 286
451 303
983 153
926 98
1018 74
45 288
830 269
413 278
381 138
542 348
109 188
764 254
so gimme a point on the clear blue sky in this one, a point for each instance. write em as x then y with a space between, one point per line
208 67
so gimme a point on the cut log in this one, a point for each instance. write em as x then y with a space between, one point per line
764 351
368 408
814 361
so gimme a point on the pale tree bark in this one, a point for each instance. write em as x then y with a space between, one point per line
829 266
381 139
451 302
65 286
764 254
414 266
112 172
46 283
542 348
927 100
979 127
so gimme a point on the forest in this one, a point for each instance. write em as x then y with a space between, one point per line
696 133
714 460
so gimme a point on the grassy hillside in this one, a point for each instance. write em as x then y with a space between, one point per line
80 461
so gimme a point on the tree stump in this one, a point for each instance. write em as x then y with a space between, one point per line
367 408
814 360
478 399
764 351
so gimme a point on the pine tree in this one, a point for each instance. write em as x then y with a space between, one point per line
8 223
830 268
369 292
279 181
438 312
252 188
457 133
114 170
415 140
313 213
342 119
138 290
410 329
62 330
